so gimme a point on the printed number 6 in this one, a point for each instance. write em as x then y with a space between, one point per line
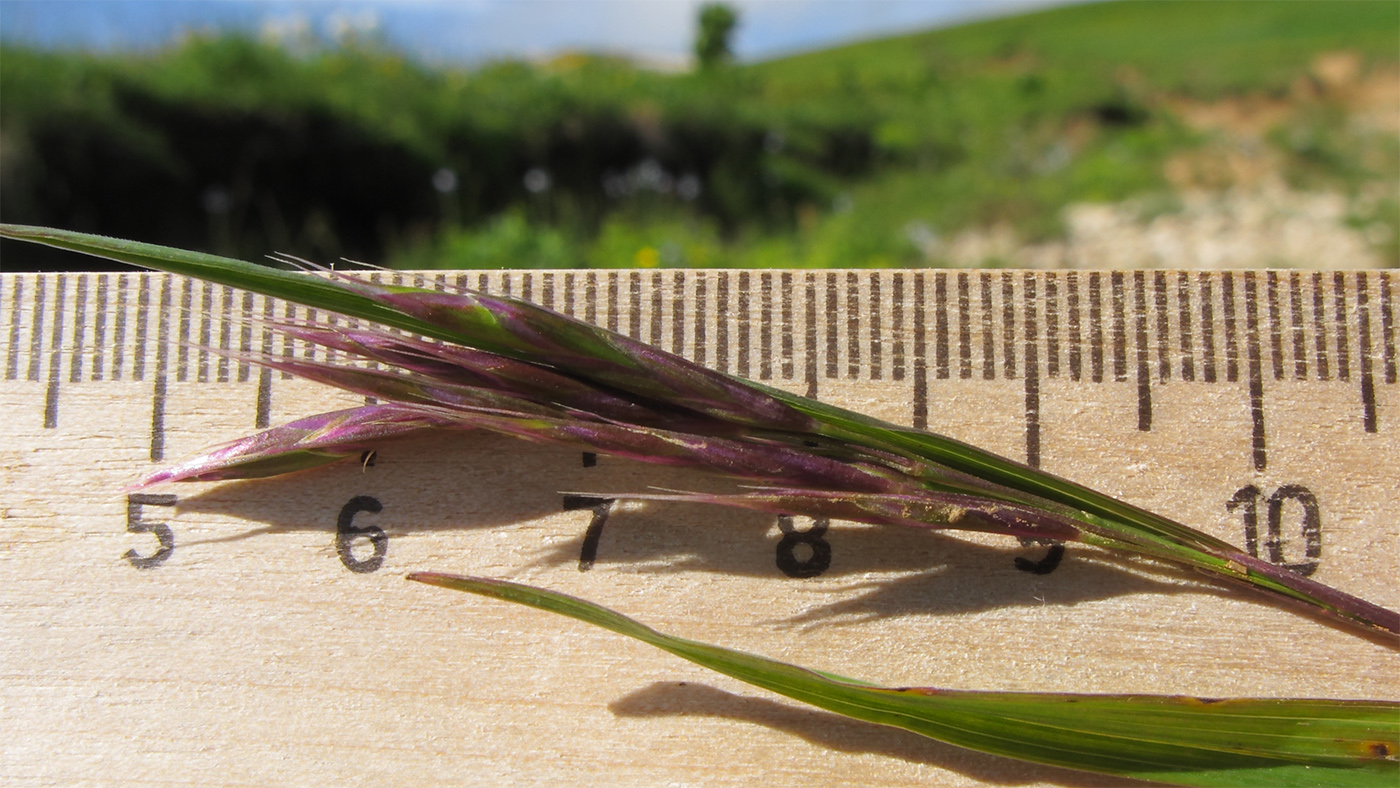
346 532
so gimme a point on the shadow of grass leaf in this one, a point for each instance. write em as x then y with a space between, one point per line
842 734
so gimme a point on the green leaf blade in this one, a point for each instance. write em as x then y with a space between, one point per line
312 291
1173 739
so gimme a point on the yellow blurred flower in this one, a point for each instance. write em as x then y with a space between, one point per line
647 257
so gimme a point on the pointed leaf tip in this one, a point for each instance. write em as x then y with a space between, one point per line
1171 739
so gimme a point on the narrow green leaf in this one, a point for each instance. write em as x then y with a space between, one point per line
1172 739
312 291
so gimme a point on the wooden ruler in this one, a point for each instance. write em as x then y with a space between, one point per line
261 633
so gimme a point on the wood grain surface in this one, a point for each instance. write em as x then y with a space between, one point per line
272 644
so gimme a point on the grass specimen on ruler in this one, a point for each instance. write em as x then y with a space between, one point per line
474 361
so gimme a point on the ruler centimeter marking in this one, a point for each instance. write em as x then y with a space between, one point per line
797 327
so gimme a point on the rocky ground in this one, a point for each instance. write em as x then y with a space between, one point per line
1240 199
1270 227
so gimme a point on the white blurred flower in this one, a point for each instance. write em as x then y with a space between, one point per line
537 180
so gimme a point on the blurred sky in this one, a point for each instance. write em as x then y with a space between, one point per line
468 31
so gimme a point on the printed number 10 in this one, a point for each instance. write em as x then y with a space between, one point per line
1246 501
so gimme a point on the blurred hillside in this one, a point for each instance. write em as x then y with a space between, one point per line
1111 134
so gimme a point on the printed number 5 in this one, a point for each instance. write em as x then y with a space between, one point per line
135 525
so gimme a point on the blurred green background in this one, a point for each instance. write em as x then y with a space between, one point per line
1115 134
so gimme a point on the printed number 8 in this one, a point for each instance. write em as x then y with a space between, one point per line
811 566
